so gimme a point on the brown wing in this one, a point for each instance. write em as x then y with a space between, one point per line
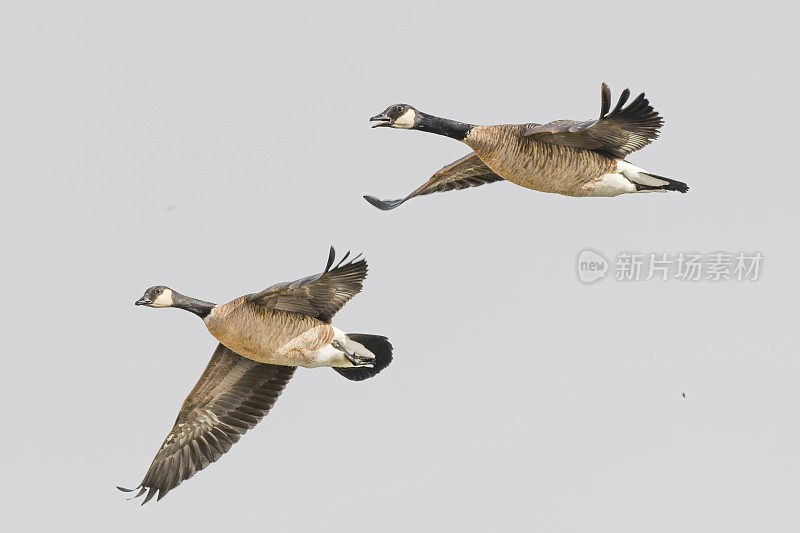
624 130
469 171
320 296
232 396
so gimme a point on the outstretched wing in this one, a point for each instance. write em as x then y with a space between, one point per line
320 296
624 130
469 171
232 396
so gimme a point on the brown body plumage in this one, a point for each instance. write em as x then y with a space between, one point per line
537 165
269 336
263 337
573 158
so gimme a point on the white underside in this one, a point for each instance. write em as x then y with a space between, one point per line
330 356
623 181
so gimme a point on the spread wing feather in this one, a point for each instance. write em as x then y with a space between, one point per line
232 396
320 296
617 134
469 171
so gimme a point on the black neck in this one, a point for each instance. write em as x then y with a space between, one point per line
193 305
443 126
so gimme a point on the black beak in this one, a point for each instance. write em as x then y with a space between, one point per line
144 300
382 119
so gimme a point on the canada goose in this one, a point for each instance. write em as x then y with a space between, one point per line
564 156
263 338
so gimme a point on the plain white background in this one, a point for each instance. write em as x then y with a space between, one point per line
221 147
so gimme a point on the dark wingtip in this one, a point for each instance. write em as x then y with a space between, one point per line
142 490
381 204
623 97
150 493
331 257
605 99
342 260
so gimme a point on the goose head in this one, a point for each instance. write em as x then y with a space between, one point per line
158 296
401 116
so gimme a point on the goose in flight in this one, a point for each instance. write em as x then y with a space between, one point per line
262 338
566 157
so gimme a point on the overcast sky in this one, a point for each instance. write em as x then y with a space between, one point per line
221 148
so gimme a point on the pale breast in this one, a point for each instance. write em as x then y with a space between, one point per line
536 165
256 332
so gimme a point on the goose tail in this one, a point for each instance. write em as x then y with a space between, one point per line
646 181
377 345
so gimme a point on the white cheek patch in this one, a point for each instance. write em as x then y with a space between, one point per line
163 300
406 120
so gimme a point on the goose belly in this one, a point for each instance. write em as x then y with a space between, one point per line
544 167
311 349
265 336
563 172
530 174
